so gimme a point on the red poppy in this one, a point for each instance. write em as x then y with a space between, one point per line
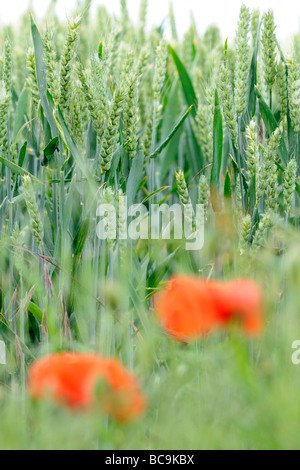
241 300
191 307
71 379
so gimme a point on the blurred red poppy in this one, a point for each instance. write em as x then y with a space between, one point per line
192 307
71 379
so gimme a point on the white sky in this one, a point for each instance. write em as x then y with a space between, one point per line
221 12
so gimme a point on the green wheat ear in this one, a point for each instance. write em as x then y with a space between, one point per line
5 95
66 62
173 23
131 117
282 86
203 193
245 230
108 197
188 48
294 93
33 211
4 105
31 78
269 48
160 69
227 99
7 66
272 188
263 231
255 25
51 64
252 149
203 127
143 18
122 227
18 242
289 185
184 197
94 101
242 60
111 134
267 179
125 14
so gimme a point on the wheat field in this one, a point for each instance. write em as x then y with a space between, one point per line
96 110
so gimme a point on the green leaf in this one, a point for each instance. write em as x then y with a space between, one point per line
171 109
268 117
135 177
164 144
254 223
186 82
271 126
159 272
170 154
17 169
19 116
81 237
227 186
100 50
65 134
41 75
9 336
253 78
51 147
226 48
217 143
282 169
78 246
116 160
193 151
22 154
251 203
160 190
35 311
91 141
